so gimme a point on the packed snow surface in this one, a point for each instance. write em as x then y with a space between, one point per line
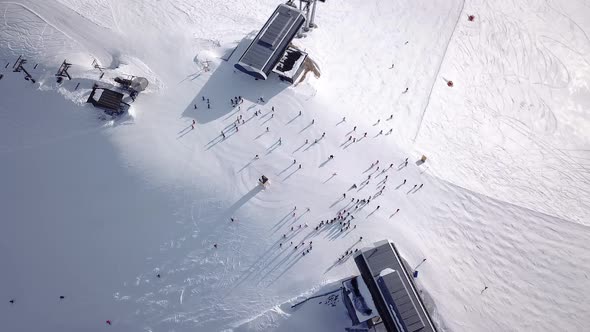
120 216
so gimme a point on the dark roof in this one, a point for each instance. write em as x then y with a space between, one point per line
110 99
392 289
271 41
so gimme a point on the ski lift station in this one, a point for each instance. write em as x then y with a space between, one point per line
384 297
271 49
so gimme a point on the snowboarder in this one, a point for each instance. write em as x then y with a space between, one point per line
61 297
192 127
331 156
108 322
11 301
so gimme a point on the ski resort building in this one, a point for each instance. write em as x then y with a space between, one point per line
108 100
269 46
383 297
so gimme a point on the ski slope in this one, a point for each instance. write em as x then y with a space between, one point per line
94 209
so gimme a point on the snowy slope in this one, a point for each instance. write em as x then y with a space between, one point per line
95 209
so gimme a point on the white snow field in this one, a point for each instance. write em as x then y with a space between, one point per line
94 208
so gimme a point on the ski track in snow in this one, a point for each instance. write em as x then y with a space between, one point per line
99 208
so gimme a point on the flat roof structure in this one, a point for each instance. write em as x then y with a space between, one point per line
392 290
109 100
270 43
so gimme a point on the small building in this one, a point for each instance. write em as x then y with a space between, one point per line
384 297
109 100
291 64
271 42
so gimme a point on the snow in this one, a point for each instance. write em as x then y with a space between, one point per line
94 209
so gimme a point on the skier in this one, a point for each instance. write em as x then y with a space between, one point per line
194 122
344 195
323 134
365 135
158 275
267 129
222 134
421 185
404 181
232 219
294 161
203 98
299 113
61 297
381 132
350 138
208 106
378 206
415 186
280 245
331 156
306 141
215 245
193 127
354 129
273 108
207 100
312 121
299 166
195 106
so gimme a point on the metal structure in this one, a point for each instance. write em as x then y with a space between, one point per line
63 71
18 67
271 42
390 290
308 7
